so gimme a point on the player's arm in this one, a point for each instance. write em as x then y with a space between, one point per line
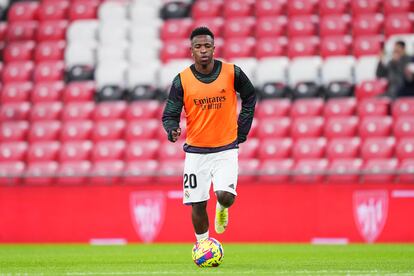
172 110
245 88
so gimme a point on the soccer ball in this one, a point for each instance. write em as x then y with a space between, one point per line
207 253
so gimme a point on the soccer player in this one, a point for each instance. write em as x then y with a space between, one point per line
207 91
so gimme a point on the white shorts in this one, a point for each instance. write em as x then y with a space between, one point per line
200 170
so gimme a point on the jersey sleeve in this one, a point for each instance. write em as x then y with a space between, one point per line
173 107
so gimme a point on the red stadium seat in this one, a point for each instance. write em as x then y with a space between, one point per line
306 148
75 151
403 107
274 127
346 126
175 49
171 151
23 11
405 148
14 131
248 170
78 111
310 170
381 170
14 111
340 107
406 171
22 30
53 10
108 130
18 71
343 148
366 6
41 173
270 7
47 91
375 126
378 147
335 46
215 24
275 148
74 172
50 50
49 71
176 29
16 92
344 170
334 25
109 150
170 171
44 131
303 46
19 51
3 31
397 6
374 106
52 30
404 127
271 27
275 171
110 110
76 130
140 172
11 172
368 24
83 9
145 149
249 149
369 45
272 108
367 89
307 107
302 25
206 9
305 127
328 7
239 27
271 47
239 48
13 151
398 24
142 129
43 151
299 7
237 8
142 110
107 172
46 111
79 91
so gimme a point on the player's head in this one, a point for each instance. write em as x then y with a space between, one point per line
202 45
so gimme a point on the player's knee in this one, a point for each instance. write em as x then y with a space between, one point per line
226 199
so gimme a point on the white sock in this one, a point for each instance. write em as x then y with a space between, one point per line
201 236
219 206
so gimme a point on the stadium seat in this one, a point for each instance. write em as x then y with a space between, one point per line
142 110
398 24
111 73
340 107
78 111
170 171
13 151
382 170
367 24
270 8
83 31
41 173
337 76
47 91
366 6
344 147
239 48
237 8
368 89
344 170
110 110
176 29
239 27
53 10
367 45
76 130
108 130
44 130
336 127
114 33
19 51
309 170
374 106
16 92
141 150
334 25
378 147
43 151
206 9
406 171
83 9
52 30
175 49
332 7
404 127
14 111
106 172
215 24
23 11
273 108
109 150
74 172
46 111
333 46
307 127
11 172
403 107
77 54
248 170
249 149
302 26
307 107
142 129
18 71
271 27
142 81
71 151
79 91
271 47
306 148
300 7
14 131
175 9
273 127
275 148
405 148
170 151
275 171
304 76
365 68
50 50
49 71
112 11
169 71
397 6
21 30
375 126
140 172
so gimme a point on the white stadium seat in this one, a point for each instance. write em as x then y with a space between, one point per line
365 68
339 68
272 70
305 69
111 73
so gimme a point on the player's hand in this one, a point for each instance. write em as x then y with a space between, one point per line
174 135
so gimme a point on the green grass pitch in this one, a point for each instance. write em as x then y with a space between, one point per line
175 259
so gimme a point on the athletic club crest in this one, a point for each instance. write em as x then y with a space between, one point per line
147 210
370 213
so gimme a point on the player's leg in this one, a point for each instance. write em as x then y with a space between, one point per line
200 219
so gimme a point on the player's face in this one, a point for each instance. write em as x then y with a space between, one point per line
202 49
